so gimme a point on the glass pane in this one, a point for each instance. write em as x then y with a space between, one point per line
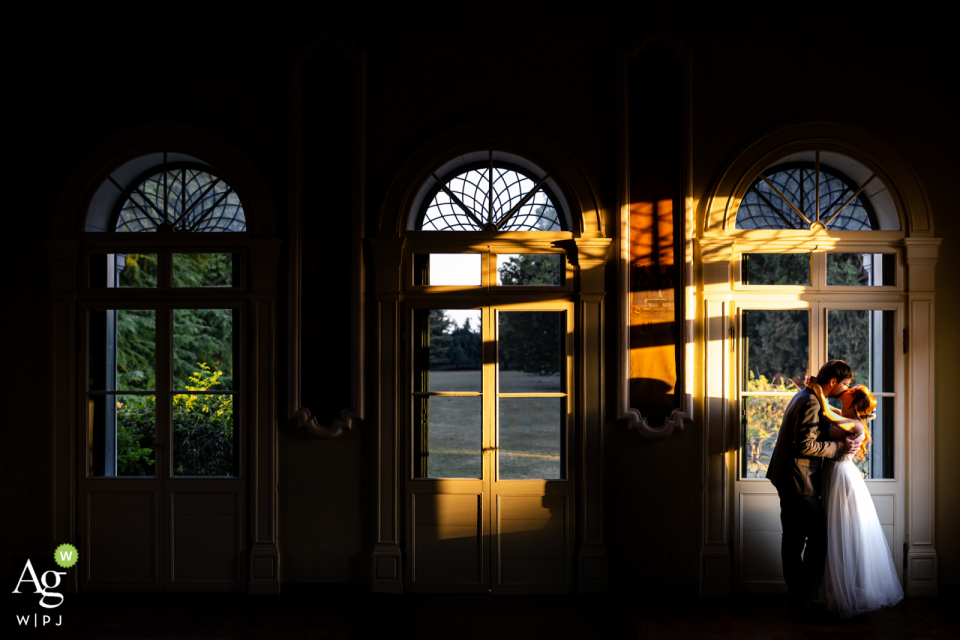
775 349
448 269
799 183
863 338
530 351
448 355
879 459
205 442
530 269
187 198
776 268
447 437
121 435
123 270
530 439
205 269
861 269
122 344
205 344
465 205
761 417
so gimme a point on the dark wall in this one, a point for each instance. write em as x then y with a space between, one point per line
755 67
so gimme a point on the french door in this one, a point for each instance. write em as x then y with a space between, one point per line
160 490
779 341
489 485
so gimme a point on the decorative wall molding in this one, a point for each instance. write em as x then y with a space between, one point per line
921 561
302 419
590 256
387 560
685 306
62 257
296 415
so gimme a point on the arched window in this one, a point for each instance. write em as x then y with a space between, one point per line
489 191
811 269
816 244
489 313
796 195
810 191
185 197
164 308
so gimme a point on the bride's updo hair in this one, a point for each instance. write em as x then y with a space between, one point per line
863 404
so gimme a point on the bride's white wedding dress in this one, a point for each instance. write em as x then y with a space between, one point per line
859 574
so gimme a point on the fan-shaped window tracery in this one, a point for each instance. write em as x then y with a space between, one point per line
490 195
184 198
796 195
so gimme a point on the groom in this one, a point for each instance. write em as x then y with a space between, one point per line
795 472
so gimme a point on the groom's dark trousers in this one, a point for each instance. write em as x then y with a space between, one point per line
795 470
804 523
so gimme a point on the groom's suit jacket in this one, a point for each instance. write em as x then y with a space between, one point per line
801 447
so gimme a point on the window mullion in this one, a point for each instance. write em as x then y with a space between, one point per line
164 402
490 191
489 384
818 270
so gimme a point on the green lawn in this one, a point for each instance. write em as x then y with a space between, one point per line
529 428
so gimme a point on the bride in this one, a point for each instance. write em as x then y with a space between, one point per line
859 574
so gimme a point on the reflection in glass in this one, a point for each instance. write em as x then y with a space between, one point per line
761 417
530 439
861 269
530 269
864 339
123 270
447 437
530 342
775 348
205 269
776 268
447 269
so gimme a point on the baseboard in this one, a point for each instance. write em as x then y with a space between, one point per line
325 588
657 591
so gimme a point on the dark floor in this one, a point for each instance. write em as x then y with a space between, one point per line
327 614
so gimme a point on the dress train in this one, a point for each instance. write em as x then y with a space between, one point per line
859 574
